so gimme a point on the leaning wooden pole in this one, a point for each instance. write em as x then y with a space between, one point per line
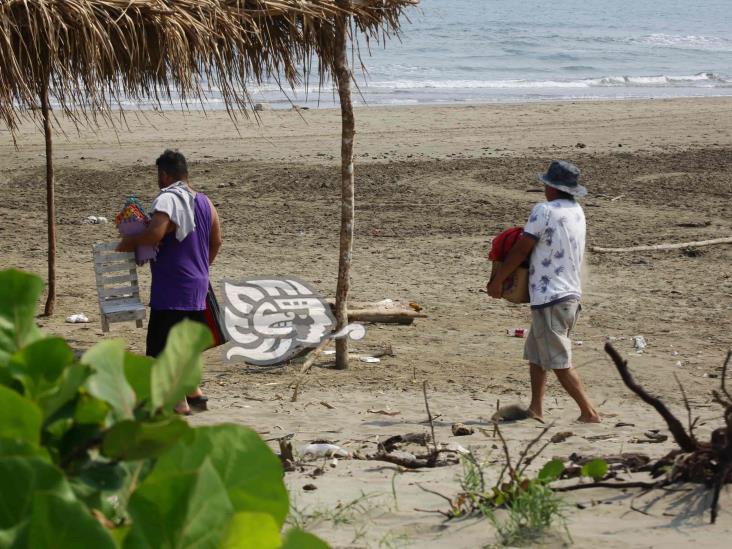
50 201
343 81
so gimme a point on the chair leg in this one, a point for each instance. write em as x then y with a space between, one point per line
105 324
138 322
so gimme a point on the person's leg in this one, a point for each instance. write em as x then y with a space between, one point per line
571 382
196 398
158 328
538 385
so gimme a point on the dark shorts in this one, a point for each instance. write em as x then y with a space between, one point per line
160 324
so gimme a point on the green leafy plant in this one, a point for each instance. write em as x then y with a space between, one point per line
92 454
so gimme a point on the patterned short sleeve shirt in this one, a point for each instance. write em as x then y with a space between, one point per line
556 262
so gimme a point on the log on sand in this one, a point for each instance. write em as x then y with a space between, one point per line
676 246
383 314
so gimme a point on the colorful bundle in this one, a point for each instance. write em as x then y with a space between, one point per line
133 220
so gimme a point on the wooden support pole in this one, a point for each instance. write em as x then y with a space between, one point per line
343 81
50 200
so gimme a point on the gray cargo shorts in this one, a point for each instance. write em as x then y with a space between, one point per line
548 344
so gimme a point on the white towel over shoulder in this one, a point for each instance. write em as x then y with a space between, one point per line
179 203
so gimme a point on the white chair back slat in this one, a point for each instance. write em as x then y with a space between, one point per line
118 294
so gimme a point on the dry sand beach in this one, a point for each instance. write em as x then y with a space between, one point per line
433 185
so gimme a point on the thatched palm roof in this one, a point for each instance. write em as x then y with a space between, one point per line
97 51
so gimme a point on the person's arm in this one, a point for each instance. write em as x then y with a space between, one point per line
158 227
518 254
215 242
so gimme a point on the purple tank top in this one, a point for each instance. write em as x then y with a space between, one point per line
180 271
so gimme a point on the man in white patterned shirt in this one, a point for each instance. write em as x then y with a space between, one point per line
554 239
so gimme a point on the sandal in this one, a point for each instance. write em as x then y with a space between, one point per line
200 402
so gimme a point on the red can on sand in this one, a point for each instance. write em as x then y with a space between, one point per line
516 332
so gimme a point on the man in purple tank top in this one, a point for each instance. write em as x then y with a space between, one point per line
185 225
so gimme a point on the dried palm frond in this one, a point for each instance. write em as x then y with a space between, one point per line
93 53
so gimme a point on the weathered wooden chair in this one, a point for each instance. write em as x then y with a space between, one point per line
117 286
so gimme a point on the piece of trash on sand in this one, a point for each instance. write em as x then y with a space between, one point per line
320 450
674 353
309 487
95 220
579 343
516 332
369 359
639 343
329 352
514 412
384 412
561 437
386 303
79 318
679 364
416 306
454 447
461 430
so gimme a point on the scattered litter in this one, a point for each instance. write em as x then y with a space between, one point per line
455 447
386 303
561 437
416 306
579 343
651 438
320 450
334 463
675 353
309 487
369 359
329 352
79 318
639 343
384 412
607 436
516 332
679 364
461 430
623 424
327 405
95 220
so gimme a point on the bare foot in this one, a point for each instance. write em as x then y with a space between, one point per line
533 415
182 408
594 418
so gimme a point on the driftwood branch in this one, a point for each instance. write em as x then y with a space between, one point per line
666 246
685 442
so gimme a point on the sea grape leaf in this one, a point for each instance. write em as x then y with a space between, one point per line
108 382
177 371
20 418
20 477
39 365
595 469
138 370
551 471
130 440
19 293
90 410
249 469
64 391
184 510
103 476
252 531
57 522
297 539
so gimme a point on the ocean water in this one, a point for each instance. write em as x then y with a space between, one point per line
473 51
458 51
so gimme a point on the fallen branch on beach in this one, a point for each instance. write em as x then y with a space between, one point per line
708 463
665 246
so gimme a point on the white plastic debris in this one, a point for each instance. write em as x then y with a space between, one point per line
675 353
386 303
329 352
639 342
80 318
95 220
369 359
455 447
323 450
679 364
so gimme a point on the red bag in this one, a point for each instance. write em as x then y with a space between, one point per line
214 319
503 243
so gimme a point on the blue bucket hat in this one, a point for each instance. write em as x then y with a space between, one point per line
563 176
